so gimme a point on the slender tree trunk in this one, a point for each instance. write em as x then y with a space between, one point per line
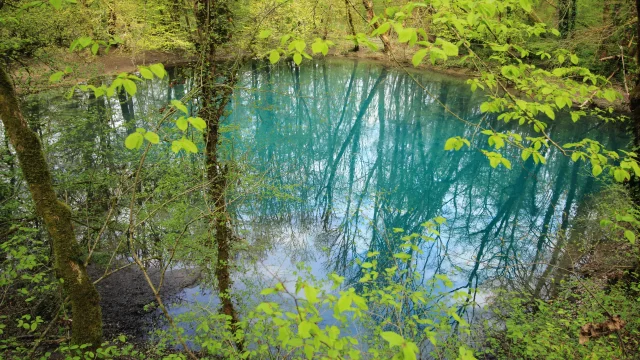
214 30
368 5
85 301
634 105
567 12
351 27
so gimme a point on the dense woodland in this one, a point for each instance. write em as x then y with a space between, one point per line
465 170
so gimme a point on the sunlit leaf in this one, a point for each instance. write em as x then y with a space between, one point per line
630 236
182 123
180 106
134 141
158 70
130 86
392 338
198 123
152 137
145 72
55 77
274 56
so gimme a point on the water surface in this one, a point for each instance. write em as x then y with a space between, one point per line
349 153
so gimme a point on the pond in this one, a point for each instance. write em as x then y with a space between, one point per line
350 157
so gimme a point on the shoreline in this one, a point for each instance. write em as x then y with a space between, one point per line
117 61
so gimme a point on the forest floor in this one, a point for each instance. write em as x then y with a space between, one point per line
124 294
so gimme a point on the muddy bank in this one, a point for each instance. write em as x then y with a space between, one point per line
124 294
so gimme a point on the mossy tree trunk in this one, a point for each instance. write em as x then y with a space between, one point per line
634 105
85 301
215 26
567 12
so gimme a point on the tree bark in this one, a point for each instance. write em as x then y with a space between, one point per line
356 47
85 301
634 106
368 5
214 29
567 12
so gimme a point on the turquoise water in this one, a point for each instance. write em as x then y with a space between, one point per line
356 152
339 153
359 151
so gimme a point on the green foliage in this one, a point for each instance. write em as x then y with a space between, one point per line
539 329
314 319
26 280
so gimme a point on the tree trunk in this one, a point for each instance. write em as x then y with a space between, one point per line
214 29
634 105
368 5
356 47
85 301
567 12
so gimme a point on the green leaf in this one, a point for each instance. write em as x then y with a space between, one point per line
145 72
267 291
621 175
189 146
319 46
264 34
402 256
466 354
176 146
392 338
418 56
55 77
94 48
574 59
451 144
381 29
198 123
134 141
152 137
344 303
596 169
84 41
449 48
57 4
309 351
575 156
274 56
311 294
158 70
180 106
404 35
130 86
297 58
526 5
182 123
303 329
630 236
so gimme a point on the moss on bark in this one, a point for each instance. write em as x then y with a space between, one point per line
85 307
